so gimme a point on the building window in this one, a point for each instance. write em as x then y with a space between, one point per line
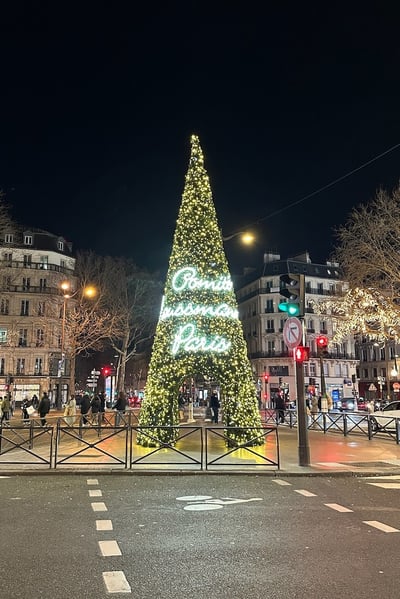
8 257
38 365
8 238
27 260
4 306
320 288
269 306
41 308
20 366
271 347
26 283
25 308
6 283
270 326
60 245
313 369
2 366
62 263
42 284
28 240
23 337
39 338
44 262
3 335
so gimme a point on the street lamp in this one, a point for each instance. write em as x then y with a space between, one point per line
246 237
88 291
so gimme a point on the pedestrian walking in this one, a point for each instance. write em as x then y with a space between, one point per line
70 411
85 407
102 405
95 406
26 403
44 408
5 409
120 407
181 407
214 405
280 408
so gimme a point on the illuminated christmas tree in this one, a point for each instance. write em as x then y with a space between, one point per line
199 332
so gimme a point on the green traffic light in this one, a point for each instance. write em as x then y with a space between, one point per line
291 309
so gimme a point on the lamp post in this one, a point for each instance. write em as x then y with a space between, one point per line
246 237
88 292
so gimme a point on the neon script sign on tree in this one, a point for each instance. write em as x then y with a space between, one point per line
187 337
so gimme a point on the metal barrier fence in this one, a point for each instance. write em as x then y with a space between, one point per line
110 441
346 423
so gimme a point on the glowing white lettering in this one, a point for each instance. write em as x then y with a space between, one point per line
186 278
191 309
187 340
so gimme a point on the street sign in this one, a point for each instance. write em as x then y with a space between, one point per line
292 332
372 387
95 372
91 385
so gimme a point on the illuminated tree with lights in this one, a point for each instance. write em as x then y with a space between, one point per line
199 332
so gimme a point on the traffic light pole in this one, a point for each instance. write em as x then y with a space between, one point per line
302 430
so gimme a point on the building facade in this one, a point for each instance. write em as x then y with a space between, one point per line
33 265
258 295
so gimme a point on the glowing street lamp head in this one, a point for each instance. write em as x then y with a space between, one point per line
247 238
90 291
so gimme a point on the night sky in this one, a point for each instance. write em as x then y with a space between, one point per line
98 105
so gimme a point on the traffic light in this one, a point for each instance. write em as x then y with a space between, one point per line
322 342
266 377
301 354
106 371
292 288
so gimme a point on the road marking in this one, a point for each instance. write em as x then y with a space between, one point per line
386 485
333 464
92 481
95 493
116 582
5 476
380 526
337 507
281 482
202 507
231 500
109 548
104 525
194 498
99 506
305 493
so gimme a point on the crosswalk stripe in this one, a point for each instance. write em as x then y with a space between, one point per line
95 493
281 482
104 525
383 485
380 526
305 493
337 507
99 506
116 582
92 481
109 548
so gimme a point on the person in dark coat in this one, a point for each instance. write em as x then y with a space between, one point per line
95 406
214 405
102 405
85 407
44 408
280 408
120 406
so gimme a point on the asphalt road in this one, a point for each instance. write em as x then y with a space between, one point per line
199 537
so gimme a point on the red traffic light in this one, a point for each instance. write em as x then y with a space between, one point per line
322 341
106 370
301 353
266 377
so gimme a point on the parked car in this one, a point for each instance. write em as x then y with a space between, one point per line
134 401
362 404
385 418
348 404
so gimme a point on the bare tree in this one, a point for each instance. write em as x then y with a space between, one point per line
368 251
132 298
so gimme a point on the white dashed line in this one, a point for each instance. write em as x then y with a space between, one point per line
109 548
281 482
95 493
305 493
92 481
99 506
380 526
116 582
386 485
104 525
337 507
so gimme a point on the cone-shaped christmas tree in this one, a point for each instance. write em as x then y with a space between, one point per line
199 332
